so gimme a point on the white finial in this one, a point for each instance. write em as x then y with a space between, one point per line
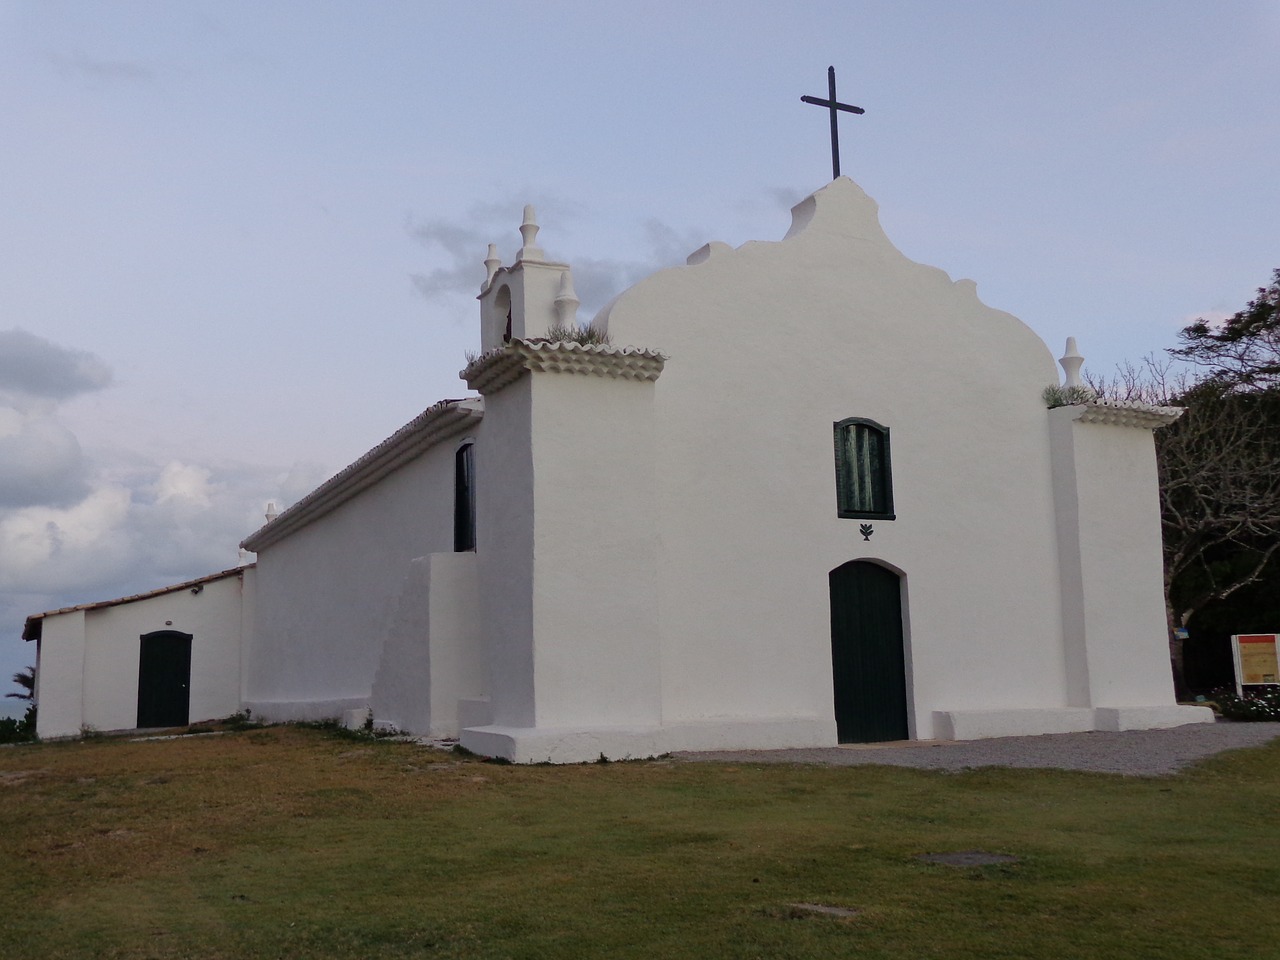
1071 363
567 302
529 250
272 512
491 265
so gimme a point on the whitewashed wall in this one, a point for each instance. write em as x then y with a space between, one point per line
769 345
60 675
432 656
326 593
1116 639
504 551
89 659
596 552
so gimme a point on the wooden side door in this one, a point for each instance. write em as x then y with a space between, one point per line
164 679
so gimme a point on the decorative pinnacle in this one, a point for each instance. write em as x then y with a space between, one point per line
529 249
491 265
1071 362
272 512
567 302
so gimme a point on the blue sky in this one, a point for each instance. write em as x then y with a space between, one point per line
242 239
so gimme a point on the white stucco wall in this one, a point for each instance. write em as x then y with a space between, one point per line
769 345
432 656
89 659
326 593
60 675
596 649
1109 520
504 551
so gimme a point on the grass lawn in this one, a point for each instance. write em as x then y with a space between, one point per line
296 843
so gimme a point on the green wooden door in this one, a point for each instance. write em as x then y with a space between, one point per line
867 662
164 679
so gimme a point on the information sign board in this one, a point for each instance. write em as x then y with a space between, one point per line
1255 658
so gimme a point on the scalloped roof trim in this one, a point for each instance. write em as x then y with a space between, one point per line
506 364
438 422
1128 413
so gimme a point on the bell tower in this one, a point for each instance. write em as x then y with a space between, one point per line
566 547
529 299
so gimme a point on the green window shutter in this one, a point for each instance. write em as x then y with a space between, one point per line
864 485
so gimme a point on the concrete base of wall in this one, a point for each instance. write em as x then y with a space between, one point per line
982 724
304 711
355 719
539 745
1149 718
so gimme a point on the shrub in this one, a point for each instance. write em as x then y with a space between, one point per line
13 730
1263 704
1056 396
587 336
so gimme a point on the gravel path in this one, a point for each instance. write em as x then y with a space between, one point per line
1134 752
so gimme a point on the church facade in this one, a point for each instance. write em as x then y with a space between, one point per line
790 494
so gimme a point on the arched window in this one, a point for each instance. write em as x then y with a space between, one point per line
864 482
502 303
464 498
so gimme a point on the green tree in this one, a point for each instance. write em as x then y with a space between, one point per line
26 679
1243 353
1219 467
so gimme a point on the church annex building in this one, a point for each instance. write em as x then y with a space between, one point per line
808 492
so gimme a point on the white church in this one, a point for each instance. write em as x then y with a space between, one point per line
799 493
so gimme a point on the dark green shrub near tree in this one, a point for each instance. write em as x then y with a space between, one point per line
13 729
1255 705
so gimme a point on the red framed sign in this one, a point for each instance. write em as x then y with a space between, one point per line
1255 659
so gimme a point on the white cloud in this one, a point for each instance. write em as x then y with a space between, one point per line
596 280
149 529
183 484
76 528
46 549
34 369
298 481
40 461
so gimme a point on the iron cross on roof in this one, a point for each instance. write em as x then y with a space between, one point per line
833 105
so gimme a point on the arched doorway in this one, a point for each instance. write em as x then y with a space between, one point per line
868 664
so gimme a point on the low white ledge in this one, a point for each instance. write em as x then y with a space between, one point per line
982 724
575 745
305 711
1150 718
